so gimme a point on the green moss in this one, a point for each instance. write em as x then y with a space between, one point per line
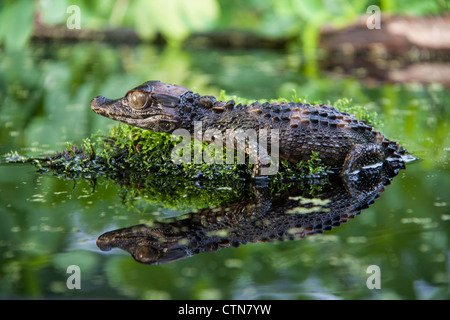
133 150
140 193
345 105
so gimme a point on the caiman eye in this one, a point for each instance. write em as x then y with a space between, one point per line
138 99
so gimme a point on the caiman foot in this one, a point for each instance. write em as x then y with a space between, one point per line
263 171
257 172
361 156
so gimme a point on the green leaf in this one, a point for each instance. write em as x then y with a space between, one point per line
17 24
53 12
175 19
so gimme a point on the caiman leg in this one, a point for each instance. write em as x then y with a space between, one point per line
362 155
266 164
261 158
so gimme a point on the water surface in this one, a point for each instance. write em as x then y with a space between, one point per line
48 223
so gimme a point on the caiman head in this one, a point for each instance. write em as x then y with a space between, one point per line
161 243
152 106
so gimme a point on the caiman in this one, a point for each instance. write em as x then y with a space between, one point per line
268 216
340 139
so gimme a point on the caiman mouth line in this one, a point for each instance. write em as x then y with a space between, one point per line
109 113
122 117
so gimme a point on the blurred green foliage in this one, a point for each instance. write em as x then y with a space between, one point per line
175 20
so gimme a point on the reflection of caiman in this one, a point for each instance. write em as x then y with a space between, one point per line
341 140
290 215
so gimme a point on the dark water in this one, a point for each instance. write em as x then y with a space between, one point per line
48 223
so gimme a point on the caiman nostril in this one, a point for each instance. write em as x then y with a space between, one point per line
95 103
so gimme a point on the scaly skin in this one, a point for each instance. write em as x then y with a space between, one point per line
341 140
291 215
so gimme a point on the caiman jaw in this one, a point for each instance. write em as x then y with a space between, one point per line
113 109
146 244
155 120
153 106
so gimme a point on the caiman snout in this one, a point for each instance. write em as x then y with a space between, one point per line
106 107
104 243
97 103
